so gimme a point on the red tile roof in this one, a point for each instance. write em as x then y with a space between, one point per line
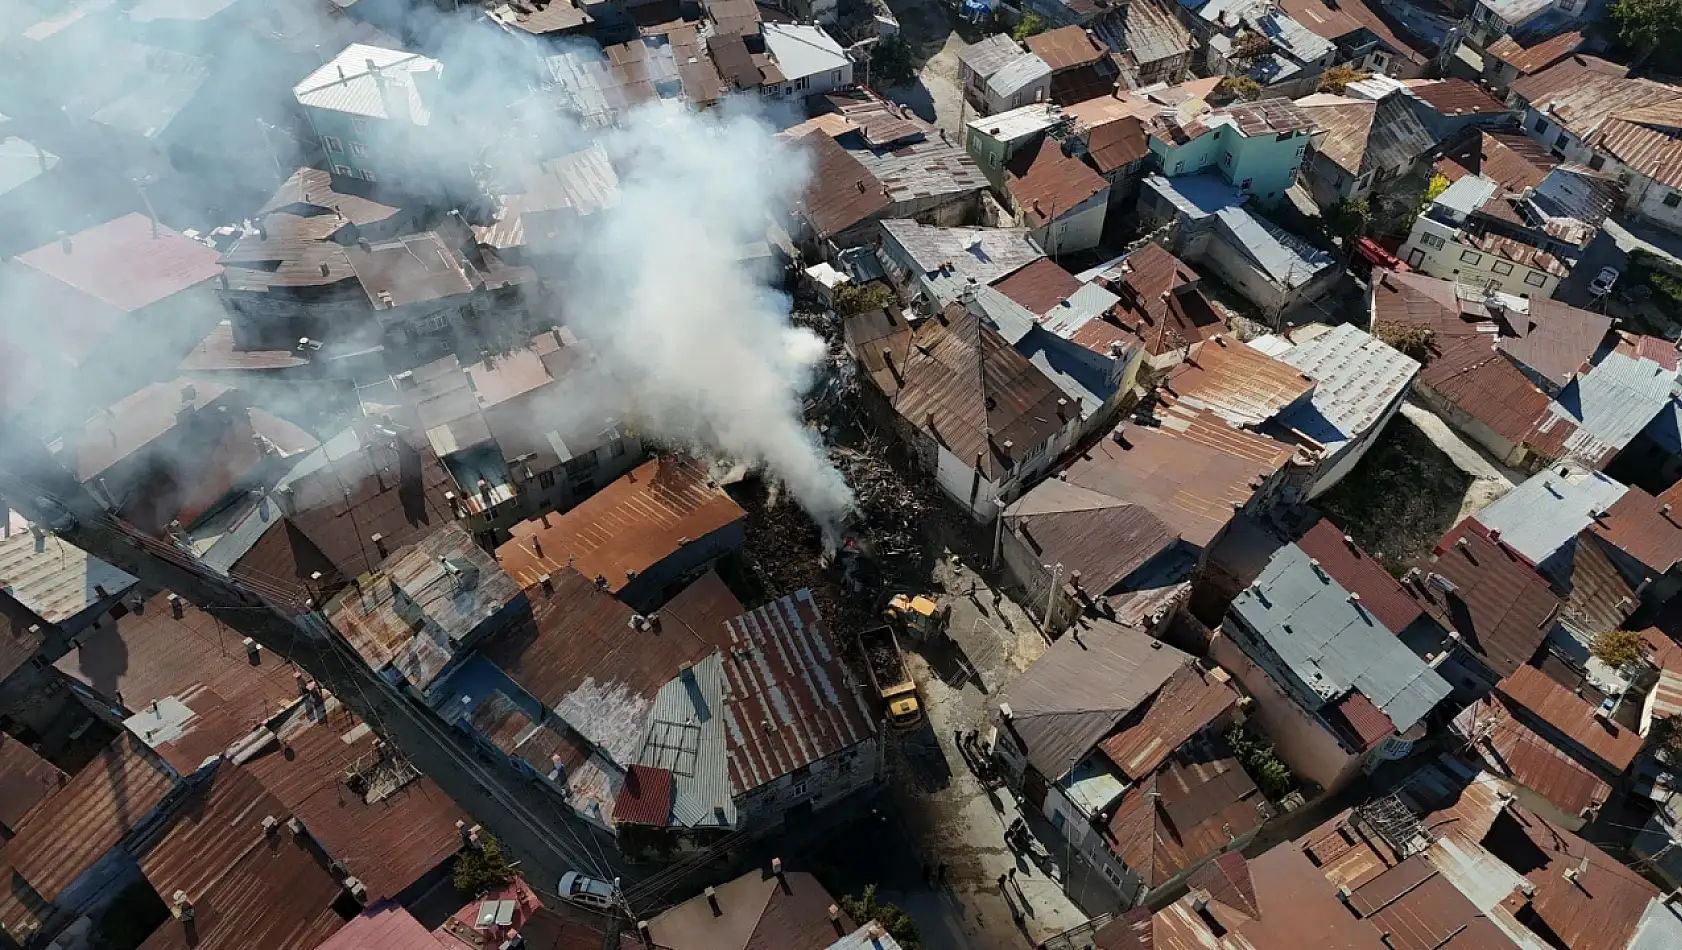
66 834
1648 529
645 798
1045 184
1497 602
1529 691
1358 573
783 670
26 780
643 517
1512 749
1190 701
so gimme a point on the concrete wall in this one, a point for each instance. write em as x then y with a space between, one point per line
1504 451
1456 260
1300 740
1079 229
1091 845
1330 184
1332 469
827 782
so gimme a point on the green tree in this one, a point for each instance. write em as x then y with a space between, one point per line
1250 47
481 869
896 922
1436 186
851 298
1030 25
1338 78
1239 87
1272 776
1618 648
891 65
1346 220
1648 26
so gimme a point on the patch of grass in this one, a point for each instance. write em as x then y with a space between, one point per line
1401 498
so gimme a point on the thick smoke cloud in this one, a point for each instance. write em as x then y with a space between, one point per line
699 351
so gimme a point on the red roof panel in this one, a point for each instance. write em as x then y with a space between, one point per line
645 798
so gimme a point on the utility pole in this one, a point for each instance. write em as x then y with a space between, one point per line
1051 597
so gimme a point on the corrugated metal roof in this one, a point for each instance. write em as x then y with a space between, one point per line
932 167
113 796
26 780
645 798
124 265
841 193
1358 573
249 888
1597 908
988 402
630 526
374 82
1530 692
791 701
1239 383
1082 687
1065 48
1183 814
1456 97
1343 126
383 926
1040 287
1553 339
1188 702
1099 538
1018 74
1511 159
1161 302
1045 182
1194 476
388 843
579 655
1302 44
946 258
687 739
357 202
53 578
1154 33
1537 57
1616 399
803 49
1357 378
1640 525
1490 595
421 604
1019 123
1333 644
1541 517
989 54
1511 749
1581 98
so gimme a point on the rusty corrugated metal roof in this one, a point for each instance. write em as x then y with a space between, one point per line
388 844
1183 814
1529 691
792 701
1510 748
1162 301
1457 97
1099 540
1597 908
1501 607
125 264
1066 47
1187 703
645 798
841 193
1537 57
1645 528
1046 183
1511 159
1239 383
384 926
1358 573
356 202
26 780
109 799
220 819
628 527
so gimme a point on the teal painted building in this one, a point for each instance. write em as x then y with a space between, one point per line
1256 147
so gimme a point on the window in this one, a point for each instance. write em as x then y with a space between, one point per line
1179 166
1471 257
1535 278
1245 184
545 480
580 465
1226 158
342 171
1673 199
1563 140
616 448
1057 820
1502 267
1597 162
333 144
368 175
802 83
1431 241
1300 150
1541 125
835 77
434 323
357 149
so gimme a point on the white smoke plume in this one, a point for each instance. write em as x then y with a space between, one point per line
660 294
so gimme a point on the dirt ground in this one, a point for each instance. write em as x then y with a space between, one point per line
1401 498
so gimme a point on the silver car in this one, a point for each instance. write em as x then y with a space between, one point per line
1603 281
586 891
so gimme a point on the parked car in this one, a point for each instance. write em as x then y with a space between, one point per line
1603 281
586 891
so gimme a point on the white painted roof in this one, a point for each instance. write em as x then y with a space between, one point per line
802 50
370 81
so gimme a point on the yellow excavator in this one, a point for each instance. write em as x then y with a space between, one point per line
917 615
